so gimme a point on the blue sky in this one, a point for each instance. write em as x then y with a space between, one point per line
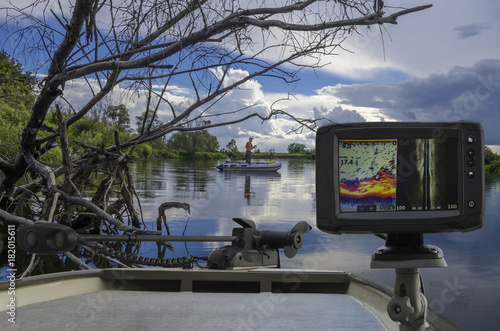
440 64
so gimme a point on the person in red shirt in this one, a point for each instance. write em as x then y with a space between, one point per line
248 148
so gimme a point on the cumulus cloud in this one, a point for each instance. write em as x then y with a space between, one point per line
336 115
250 97
78 92
463 93
425 42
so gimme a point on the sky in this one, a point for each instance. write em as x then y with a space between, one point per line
440 64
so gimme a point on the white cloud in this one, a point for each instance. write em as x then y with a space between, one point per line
337 115
463 93
424 42
442 47
78 92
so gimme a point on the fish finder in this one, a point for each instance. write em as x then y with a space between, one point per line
400 177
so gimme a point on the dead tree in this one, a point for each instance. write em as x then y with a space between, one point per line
144 45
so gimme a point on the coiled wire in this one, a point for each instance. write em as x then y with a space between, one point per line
179 262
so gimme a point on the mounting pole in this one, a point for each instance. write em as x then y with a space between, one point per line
406 253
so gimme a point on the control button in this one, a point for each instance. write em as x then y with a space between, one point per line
470 139
470 174
470 162
472 203
471 152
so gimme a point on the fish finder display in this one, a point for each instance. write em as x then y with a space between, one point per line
397 175
400 177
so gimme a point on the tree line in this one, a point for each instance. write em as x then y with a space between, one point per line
101 127
491 161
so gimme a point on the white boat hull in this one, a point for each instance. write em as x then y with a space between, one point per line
256 167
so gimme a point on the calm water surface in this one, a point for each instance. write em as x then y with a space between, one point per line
467 291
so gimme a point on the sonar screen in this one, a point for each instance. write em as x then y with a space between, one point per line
400 177
367 175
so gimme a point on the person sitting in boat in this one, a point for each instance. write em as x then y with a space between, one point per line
248 148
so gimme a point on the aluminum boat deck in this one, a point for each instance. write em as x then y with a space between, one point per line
165 299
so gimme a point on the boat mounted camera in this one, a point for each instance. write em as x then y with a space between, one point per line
401 180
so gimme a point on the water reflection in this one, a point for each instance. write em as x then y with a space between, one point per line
467 292
229 194
248 193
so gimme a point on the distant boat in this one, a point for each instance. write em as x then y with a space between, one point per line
254 166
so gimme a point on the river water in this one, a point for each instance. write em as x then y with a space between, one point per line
467 291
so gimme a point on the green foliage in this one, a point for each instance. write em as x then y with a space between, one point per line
208 156
16 86
12 125
53 156
94 132
169 154
491 160
16 99
152 121
490 156
232 147
118 117
193 141
296 148
143 151
494 166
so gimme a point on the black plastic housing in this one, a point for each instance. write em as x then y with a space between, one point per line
47 238
459 144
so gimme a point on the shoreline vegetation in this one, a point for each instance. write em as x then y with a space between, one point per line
491 163
181 154
110 126
492 160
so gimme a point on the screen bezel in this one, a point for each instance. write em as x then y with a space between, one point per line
329 217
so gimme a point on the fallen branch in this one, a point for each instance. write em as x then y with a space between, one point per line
54 205
30 267
163 217
51 185
77 261
14 219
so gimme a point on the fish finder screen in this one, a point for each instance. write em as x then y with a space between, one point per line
398 175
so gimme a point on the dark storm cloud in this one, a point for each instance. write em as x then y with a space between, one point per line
463 93
467 31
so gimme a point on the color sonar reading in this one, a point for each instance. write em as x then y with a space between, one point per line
367 175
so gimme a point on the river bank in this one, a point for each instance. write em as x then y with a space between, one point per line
181 155
492 158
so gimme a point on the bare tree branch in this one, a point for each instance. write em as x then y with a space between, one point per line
148 47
